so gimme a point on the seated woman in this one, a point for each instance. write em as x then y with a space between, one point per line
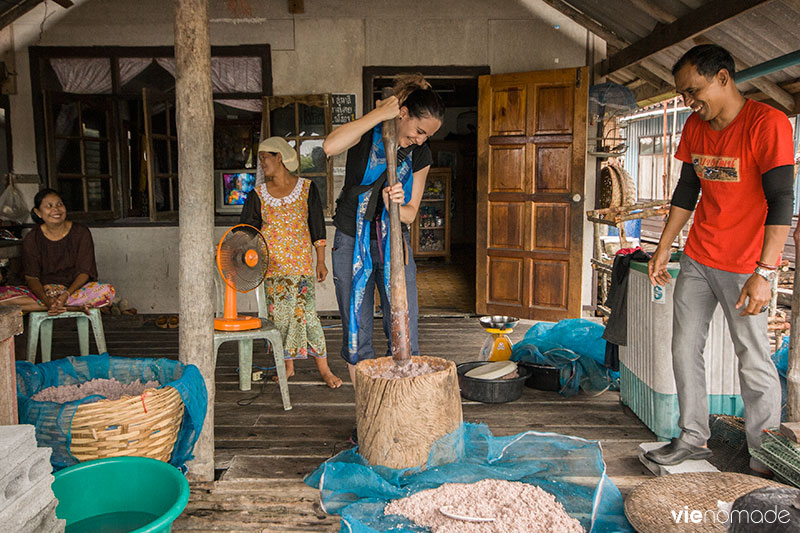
58 263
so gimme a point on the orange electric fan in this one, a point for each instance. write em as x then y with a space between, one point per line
242 259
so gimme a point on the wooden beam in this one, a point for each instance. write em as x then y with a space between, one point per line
657 73
593 26
791 87
793 4
658 69
702 19
763 84
655 11
638 82
776 93
646 95
296 7
17 11
195 128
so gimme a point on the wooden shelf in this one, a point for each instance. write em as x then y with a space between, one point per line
439 208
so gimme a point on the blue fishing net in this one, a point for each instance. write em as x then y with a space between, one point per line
576 348
570 468
781 360
53 420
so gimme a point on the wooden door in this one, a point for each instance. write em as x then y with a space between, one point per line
531 150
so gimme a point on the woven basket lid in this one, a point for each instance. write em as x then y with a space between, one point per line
650 506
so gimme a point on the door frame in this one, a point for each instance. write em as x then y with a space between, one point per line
371 74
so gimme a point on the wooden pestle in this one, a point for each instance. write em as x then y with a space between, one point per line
401 338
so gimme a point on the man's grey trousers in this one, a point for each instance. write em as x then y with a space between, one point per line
698 290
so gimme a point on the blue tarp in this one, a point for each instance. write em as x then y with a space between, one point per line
781 360
576 348
53 420
570 468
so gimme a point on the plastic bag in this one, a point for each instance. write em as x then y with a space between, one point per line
12 204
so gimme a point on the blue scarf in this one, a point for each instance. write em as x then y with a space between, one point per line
362 260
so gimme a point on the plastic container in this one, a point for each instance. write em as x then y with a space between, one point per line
647 383
120 494
543 377
490 390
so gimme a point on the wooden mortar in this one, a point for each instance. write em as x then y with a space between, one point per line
399 419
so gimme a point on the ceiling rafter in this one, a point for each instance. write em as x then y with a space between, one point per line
691 24
649 70
654 10
601 31
793 4
16 11
762 84
791 87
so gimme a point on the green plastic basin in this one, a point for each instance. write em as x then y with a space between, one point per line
120 495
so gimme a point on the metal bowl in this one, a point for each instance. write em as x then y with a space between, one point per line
498 322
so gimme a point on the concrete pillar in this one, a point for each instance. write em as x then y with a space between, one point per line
195 120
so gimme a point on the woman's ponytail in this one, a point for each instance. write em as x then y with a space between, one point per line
415 94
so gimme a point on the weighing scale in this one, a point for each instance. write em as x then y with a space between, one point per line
498 346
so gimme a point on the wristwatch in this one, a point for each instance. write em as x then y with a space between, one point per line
766 273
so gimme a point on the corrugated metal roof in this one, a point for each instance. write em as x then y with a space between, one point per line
764 32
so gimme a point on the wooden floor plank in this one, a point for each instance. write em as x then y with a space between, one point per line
263 452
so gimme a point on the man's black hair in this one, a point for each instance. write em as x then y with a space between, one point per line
708 59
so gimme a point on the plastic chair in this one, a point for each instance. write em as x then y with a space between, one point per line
267 331
40 323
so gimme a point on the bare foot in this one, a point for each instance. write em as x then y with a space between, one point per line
289 363
288 375
327 376
331 380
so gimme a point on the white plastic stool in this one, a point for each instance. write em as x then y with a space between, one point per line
40 323
267 331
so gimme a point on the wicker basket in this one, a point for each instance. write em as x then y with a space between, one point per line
650 506
144 426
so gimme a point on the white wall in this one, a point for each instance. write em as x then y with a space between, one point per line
142 264
322 50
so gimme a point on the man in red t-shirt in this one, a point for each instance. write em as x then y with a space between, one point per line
739 153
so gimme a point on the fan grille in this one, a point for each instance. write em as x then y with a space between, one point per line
231 258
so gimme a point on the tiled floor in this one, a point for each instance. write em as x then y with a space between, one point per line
447 288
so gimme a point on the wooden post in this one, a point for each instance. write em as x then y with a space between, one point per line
399 419
793 373
401 337
10 325
195 121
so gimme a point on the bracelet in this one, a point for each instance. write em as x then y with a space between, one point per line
765 265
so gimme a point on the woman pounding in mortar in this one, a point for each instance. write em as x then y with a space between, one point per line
361 218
